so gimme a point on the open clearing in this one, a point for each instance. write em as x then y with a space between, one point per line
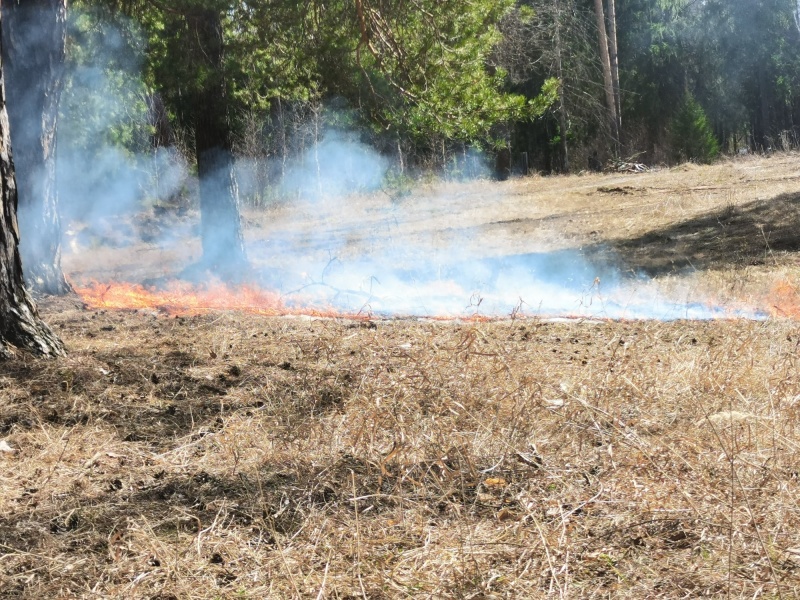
228 455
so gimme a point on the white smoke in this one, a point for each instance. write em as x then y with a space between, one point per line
384 261
106 168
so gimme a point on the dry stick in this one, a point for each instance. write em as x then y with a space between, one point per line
732 501
766 242
208 529
358 536
320 530
321 593
617 429
547 554
634 444
58 461
465 345
17 552
161 548
773 572
284 562
174 574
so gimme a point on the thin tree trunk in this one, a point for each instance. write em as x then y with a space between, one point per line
614 60
34 38
158 117
20 325
220 222
605 61
562 110
315 111
764 104
278 124
797 14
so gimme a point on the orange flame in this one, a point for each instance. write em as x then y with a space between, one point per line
180 298
784 300
185 299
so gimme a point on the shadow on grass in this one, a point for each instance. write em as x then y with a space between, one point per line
735 236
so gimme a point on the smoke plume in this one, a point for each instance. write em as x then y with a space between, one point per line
323 245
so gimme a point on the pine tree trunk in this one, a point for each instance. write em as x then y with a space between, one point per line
220 222
614 61
20 325
562 109
34 38
605 61
765 132
279 132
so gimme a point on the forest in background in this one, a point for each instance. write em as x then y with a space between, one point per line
438 86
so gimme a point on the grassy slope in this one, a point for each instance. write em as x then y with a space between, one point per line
229 455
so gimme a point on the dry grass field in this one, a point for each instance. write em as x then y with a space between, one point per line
222 454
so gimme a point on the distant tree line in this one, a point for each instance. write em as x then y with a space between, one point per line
694 78
421 80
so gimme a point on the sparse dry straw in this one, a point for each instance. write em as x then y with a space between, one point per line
214 456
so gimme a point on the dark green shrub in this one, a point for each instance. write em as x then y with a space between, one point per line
690 134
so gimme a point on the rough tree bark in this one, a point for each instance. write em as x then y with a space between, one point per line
220 223
605 61
34 38
20 325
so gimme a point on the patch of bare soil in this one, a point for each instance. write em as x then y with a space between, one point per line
238 456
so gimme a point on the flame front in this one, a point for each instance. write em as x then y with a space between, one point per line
181 298
187 299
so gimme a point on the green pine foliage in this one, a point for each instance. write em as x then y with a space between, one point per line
691 136
430 67
428 77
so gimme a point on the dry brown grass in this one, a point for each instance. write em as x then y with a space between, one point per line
235 456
